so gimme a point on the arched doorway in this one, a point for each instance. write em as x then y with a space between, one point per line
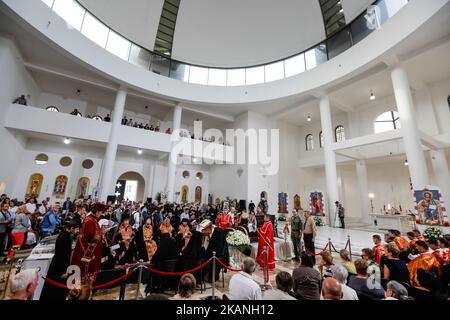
130 186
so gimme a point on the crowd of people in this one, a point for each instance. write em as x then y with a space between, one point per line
178 237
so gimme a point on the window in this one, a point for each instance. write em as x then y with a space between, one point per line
321 139
254 75
79 114
309 141
52 109
198 75
98 118
118 45
70 11
217 77
41 158
339 133
87 164
65 161
294 65
274 71
95 30
236 77
387 121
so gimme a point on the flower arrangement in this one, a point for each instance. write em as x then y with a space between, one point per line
433 233
318 221
237 238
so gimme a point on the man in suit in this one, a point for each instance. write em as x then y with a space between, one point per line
309 234
67 205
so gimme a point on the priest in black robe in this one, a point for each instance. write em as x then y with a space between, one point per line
61 260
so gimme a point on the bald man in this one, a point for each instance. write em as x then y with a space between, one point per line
331 289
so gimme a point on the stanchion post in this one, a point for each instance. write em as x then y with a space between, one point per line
265 267
213 276
349 246
329 245
139 279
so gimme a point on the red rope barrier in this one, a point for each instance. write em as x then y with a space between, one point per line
55 283
94 287
167 273
114 281
227 267
316 254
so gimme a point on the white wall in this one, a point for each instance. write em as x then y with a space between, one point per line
242 33
137 20
16 81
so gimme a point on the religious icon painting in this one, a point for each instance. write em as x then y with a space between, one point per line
282 202
83 187
198 194
429 207
34 185
184 194
317 204
297 202
59 189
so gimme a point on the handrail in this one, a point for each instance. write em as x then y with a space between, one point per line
169 64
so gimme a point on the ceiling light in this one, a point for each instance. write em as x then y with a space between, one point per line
308 118
372 96
194 160
139 151
66 140
406 162
371 195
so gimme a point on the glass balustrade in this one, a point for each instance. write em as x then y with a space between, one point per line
77 17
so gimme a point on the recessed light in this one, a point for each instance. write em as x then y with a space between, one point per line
308 118
139 151
406 162
66 140
372 96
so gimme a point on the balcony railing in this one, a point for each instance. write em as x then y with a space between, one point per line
81 19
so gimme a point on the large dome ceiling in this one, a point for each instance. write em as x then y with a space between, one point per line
230 33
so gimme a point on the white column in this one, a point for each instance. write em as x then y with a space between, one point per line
441 174
107 185
363 189
411 137
171 163
330 160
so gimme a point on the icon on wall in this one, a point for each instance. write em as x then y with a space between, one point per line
34 185
429 207
198 194
83 187
184 194
317 203
282 202
297 202
60 187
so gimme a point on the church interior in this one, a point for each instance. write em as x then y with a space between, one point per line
336 112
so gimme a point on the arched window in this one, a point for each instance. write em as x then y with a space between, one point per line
98 118
321 139
309 141
387 121
339 133
52 109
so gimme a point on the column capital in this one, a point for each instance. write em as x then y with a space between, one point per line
123 87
